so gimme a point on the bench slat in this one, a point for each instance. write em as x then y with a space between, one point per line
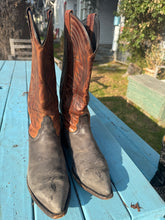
23 58
20 40
22 46
17 46
24 53
5 79
15 201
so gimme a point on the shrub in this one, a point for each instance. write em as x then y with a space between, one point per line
144 21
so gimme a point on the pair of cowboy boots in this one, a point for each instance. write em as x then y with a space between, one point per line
47 177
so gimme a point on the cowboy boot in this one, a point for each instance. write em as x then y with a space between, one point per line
47 177
89 166
158 181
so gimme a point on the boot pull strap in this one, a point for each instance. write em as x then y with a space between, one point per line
67 20
92 26
90 23
34 33
49 14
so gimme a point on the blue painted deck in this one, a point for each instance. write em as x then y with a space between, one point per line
132 161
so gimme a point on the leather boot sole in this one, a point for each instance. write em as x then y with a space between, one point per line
45 210
90 190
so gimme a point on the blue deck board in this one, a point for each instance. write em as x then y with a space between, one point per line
126 177
6 72
145 158
131 161
15 201
94 208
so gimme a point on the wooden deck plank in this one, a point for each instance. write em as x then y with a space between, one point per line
75 214
15 201
132 186
6 71
110 209
145 158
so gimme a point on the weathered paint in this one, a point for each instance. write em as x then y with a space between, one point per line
149 94
145 158
131 161
15 200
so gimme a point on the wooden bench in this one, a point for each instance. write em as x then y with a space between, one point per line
20 49
148 93
132 161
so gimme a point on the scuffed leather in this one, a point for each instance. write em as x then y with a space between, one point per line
42 97
88 162
80 43
47 175
77 68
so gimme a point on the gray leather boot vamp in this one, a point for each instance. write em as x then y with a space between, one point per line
47 177
89 165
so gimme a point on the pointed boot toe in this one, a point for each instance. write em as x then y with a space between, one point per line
95 181
47 177
52 197
90 168
98 182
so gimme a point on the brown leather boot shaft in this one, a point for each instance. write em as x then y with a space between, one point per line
42 97
80 46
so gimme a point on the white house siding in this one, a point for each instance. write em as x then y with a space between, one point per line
72 5
106 14
81 8
59 15
59 12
